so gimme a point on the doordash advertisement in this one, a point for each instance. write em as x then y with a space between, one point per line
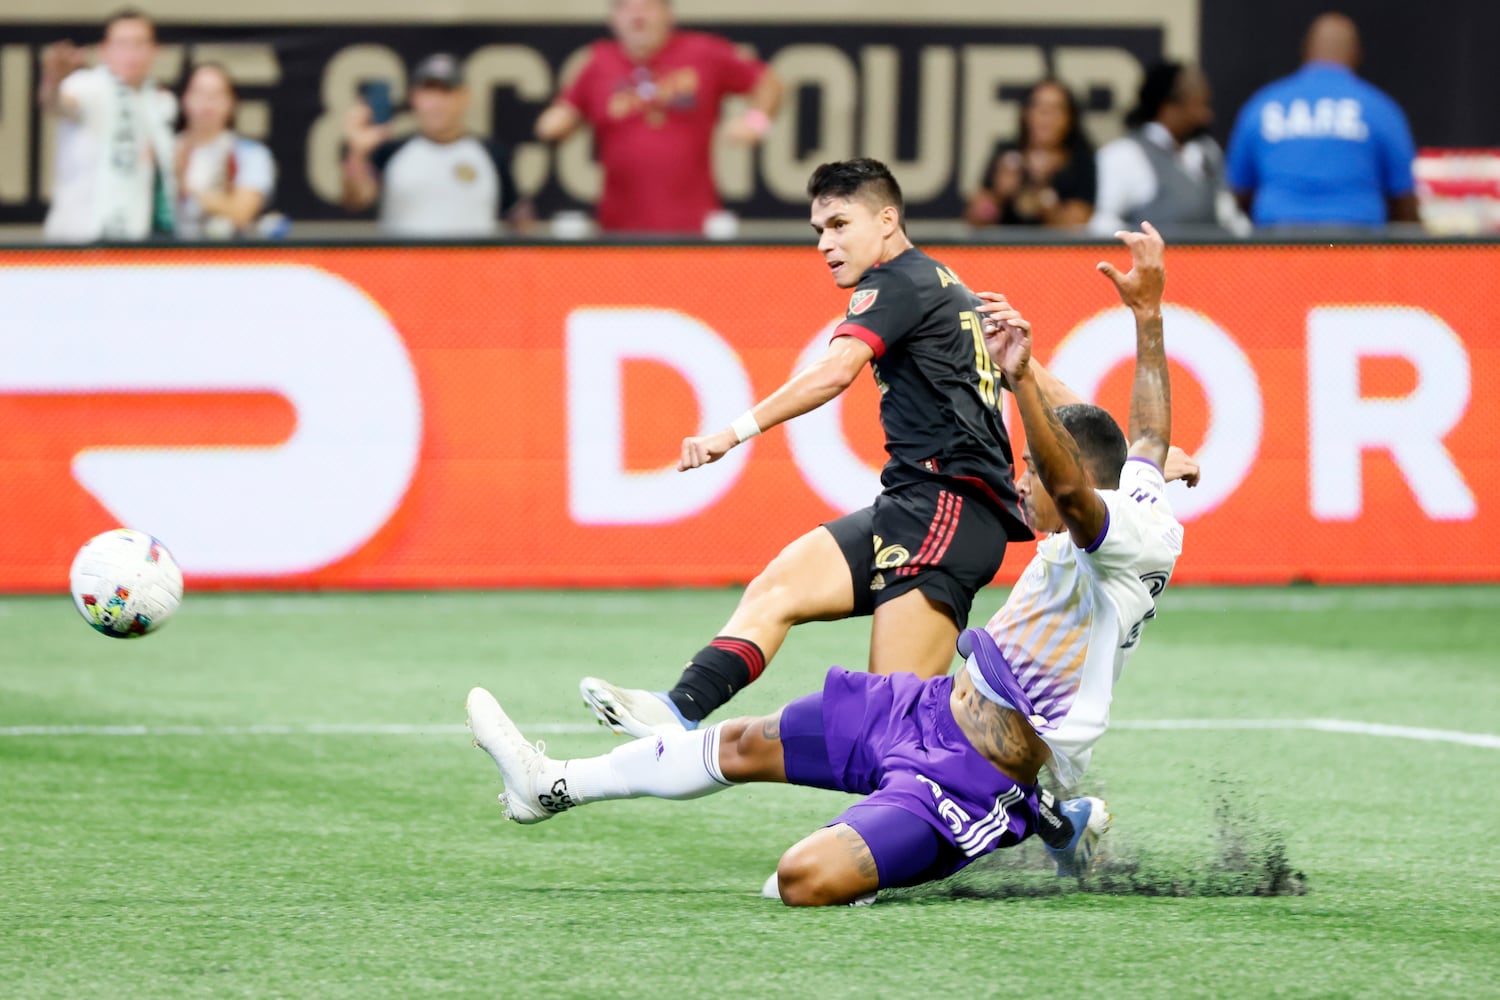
287 418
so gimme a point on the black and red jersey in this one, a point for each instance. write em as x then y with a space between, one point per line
939 391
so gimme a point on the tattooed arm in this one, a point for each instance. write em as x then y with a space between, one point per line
1140 289
1052 451
1001 734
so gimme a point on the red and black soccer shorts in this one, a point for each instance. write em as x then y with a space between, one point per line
924 536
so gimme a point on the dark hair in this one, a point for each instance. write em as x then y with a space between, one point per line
863 178
1160 85
1073 140
1100 440
187 81
128 14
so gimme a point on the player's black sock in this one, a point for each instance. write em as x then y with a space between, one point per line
715 673
1054 828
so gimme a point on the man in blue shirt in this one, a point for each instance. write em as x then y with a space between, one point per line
1322 146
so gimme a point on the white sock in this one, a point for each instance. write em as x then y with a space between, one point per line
676 766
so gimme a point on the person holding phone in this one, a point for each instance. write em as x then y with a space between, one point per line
439 182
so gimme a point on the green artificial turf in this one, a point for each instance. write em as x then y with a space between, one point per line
302 816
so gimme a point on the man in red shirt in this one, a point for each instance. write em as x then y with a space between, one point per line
652 96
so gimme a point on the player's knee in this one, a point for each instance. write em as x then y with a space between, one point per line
771 593
804 880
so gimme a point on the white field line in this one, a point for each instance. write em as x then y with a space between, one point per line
1345 726
1322 726
1293 600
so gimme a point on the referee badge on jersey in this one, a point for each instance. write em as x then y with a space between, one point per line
861 301
465 173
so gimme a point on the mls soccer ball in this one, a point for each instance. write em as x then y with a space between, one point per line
125 583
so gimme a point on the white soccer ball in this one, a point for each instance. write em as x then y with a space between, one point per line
125 583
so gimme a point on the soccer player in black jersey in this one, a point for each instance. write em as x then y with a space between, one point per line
936 533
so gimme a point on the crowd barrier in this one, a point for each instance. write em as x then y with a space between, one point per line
415 417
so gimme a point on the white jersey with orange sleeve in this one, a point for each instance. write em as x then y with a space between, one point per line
1077 613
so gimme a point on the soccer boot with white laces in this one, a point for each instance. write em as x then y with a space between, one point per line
535 789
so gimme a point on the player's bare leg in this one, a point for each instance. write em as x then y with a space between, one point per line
681 765
912 633
750 749
808 581
831 867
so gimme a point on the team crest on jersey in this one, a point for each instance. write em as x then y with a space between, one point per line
862 300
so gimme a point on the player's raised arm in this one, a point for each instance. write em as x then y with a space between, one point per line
997 309
1140 289
1052 451
807 390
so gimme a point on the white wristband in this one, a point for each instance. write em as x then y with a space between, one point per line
745 427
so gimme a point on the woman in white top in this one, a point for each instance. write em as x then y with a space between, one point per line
224 180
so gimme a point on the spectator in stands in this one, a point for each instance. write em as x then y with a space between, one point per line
652 95
1166 169
440 182
113 176
224 181
1322 146
1047 177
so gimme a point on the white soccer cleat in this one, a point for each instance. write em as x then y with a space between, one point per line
531 795
772 888
632 711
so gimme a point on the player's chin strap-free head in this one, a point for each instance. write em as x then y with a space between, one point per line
993 675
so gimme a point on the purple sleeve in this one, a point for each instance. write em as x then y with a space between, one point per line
1103 532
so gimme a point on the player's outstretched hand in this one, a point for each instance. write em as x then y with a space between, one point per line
998 315
997 310
1007 336
1140 288
1180 465
704 449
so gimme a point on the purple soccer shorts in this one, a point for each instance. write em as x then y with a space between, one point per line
932 802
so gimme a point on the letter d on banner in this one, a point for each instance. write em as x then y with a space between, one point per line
600 489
